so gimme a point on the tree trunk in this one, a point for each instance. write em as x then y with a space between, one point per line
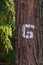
28 17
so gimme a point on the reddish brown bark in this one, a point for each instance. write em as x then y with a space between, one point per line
27 50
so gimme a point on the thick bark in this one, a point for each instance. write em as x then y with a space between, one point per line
28 17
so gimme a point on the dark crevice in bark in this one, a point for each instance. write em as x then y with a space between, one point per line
28 51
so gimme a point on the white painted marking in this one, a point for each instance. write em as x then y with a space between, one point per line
29 34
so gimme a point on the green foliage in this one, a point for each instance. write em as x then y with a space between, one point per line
7 13
7 28
10 57
5 34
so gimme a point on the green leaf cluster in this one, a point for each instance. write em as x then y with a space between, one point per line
5 35
7 28
7 14
7 23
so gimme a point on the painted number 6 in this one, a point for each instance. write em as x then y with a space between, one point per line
28 34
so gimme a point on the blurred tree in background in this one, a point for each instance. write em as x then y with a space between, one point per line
7 28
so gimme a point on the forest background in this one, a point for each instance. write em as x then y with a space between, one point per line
7 29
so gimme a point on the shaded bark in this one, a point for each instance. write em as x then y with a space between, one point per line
27 50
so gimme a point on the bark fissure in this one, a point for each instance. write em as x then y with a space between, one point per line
27 50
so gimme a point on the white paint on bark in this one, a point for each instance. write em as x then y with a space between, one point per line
28 34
